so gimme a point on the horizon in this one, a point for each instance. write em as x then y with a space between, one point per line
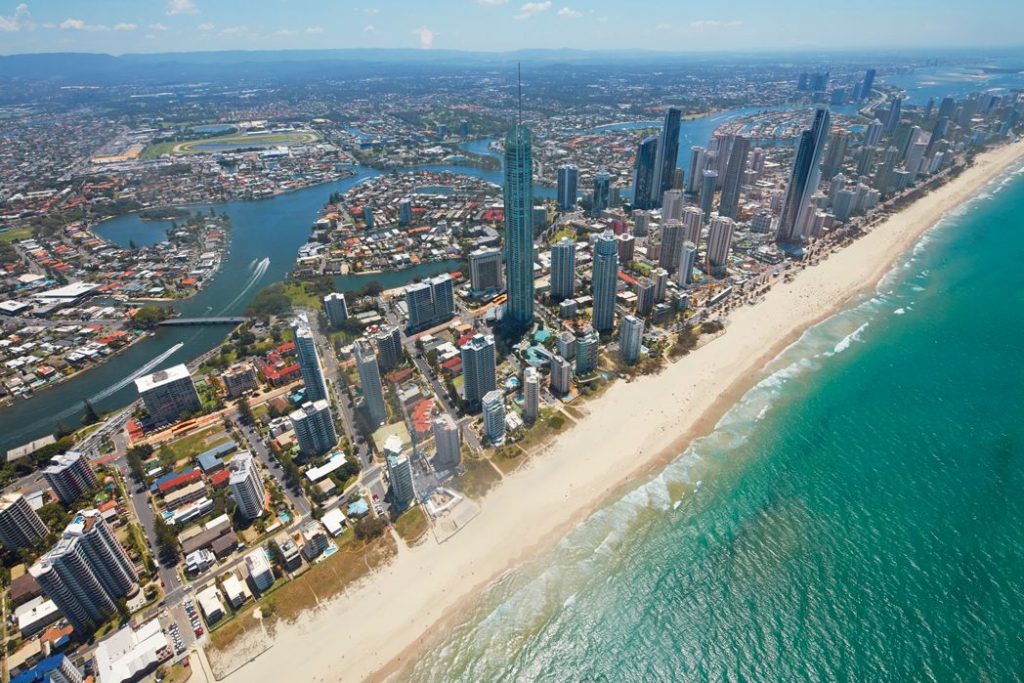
185 26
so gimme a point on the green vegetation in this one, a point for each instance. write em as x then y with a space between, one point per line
478 477
166 541
15 235
412 524
239 141
190 446
149 316
564 232
369 528
270 301
354 560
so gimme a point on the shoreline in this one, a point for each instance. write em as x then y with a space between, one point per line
407 605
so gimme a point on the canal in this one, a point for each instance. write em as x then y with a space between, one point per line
265 237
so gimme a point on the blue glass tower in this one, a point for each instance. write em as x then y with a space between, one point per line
668 151
643 174
803 180
603 281
519 226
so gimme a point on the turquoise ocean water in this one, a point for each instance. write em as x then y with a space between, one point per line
859 515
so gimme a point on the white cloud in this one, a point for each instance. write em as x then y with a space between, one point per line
702 24
490 3
369 28
234 30
181 7
531 8
125 26
602 19
570 13
21 20
371 10
286 32
426 37
206 26
160 27
79 25
663 26
312 30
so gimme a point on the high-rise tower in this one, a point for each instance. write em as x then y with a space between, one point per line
643 174
519 225
803 180
668 150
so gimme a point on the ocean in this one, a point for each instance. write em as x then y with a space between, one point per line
857 515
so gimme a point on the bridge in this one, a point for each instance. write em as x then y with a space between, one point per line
203 321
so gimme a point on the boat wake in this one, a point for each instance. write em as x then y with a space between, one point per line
259 272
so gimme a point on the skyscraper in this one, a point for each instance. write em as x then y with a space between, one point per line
563 269
697 156
309 359
687 261
20 526
641 222
405 212
602 192
603 281
389 347
430 302
892 119
314 427
169 394
568 187
707 193
867 84
247 485
519 226
335 309
493 404
803 181
668 150
834 158
370 382
447 443
478 368
631 334
86 571
70 476
644 296
719 242
485 270
561 375
734 177
672 205
531 394
399 474
693 224
643 174
586 353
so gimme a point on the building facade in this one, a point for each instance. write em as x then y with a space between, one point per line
370 382
169 394
604 280
478 368
70 476
309 360
314 428
518 198
20 526
247 485
563 269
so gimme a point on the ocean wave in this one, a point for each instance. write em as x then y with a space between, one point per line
846 341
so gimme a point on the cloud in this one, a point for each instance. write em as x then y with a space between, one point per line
702 24
206 26
663 26
21 20
234 30
181 7
491 3
79 25
160 27
570 13
286 32
426 37
369 28
125 26
314 30
531 8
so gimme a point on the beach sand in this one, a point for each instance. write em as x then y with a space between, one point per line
378 626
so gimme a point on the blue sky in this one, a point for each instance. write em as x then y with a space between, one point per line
119 26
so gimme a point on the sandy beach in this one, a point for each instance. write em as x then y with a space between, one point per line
376 628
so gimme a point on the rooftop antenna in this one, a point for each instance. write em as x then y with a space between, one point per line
519 68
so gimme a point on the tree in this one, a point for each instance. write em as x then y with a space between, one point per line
148 317
369 528
166 542
245 411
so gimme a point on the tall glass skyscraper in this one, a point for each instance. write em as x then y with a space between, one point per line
568 185
734 177
643 174
519 226
309 359
668 151
803 180
603 281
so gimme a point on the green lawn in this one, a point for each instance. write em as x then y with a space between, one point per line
239 140
191 446
412 524
15 234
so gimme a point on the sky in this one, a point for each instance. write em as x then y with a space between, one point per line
120 26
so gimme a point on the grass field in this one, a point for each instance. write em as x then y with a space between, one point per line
229 142
15 234
412 525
